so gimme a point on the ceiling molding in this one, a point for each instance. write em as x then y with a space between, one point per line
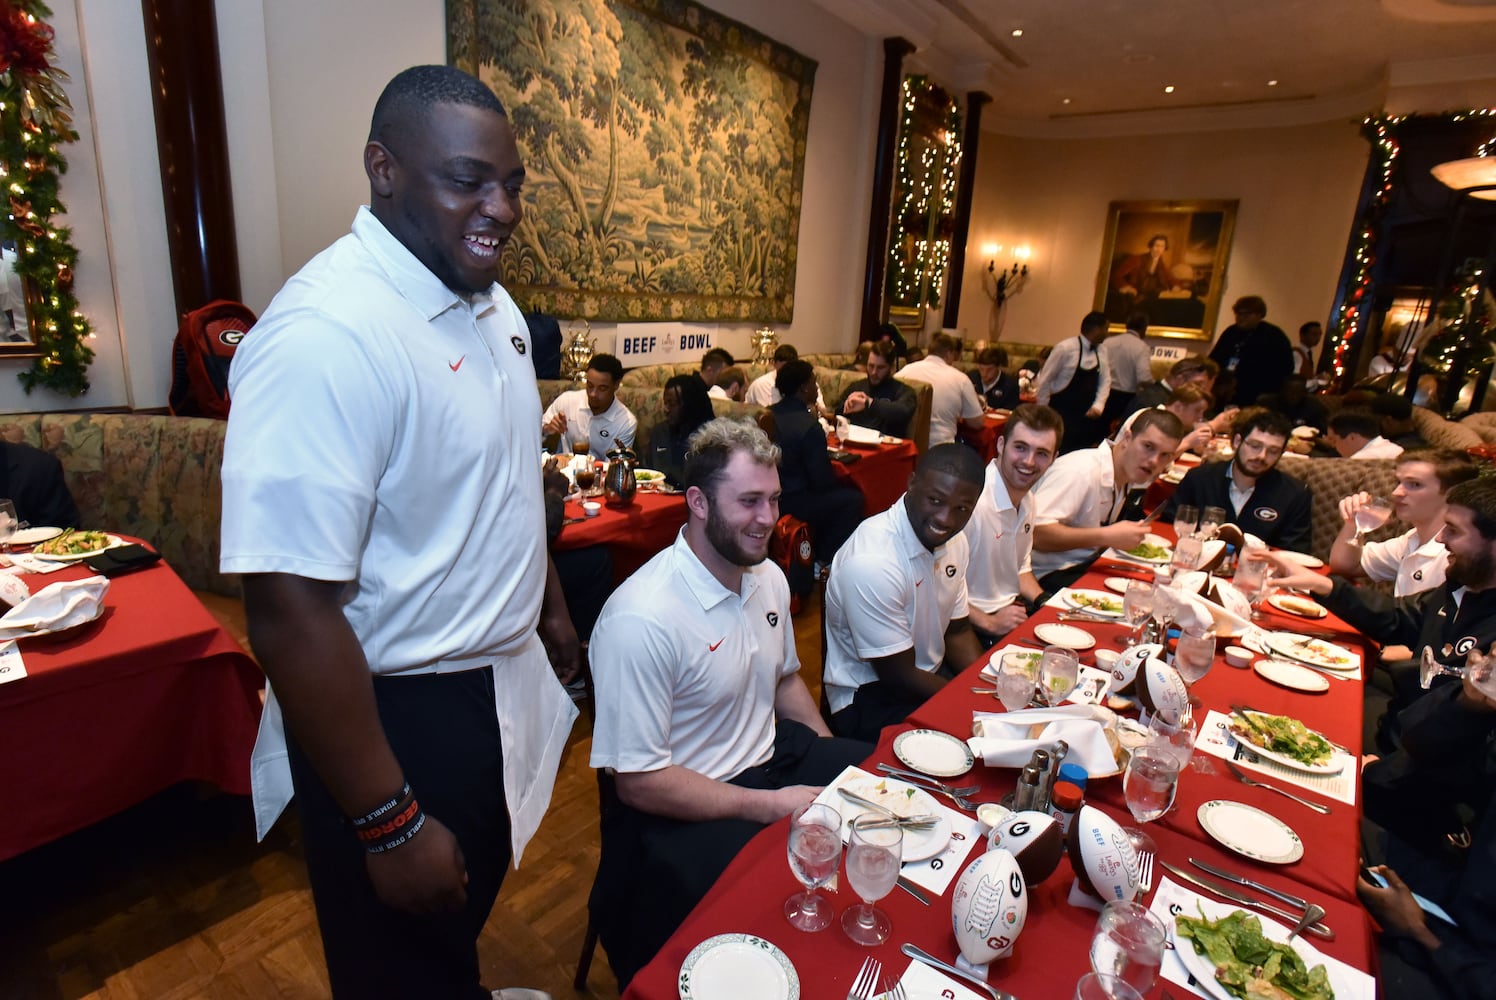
906 19
1440 12
1420 72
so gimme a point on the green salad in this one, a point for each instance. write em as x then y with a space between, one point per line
1284 735
1099 603
1148 550
1247 964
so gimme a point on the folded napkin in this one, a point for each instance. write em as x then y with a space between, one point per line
56 607
1197 613
861 435
1003 740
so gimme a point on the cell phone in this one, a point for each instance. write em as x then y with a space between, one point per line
1428 906
1373 877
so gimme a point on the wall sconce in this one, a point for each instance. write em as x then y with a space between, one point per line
1001 284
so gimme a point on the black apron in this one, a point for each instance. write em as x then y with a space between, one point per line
1074 400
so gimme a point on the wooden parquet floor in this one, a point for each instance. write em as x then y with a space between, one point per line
174 900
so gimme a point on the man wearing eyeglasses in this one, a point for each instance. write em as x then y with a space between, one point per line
1261 499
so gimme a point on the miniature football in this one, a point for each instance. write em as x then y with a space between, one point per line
1161 690
988 907
1125 670
1035 841
1105 863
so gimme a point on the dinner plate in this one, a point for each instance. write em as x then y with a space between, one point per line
1314 652
34 536
115 542
1296 604
1292 675
1158 540
1117 584
1202 969
931 752
649 478
919 845
1250 832
1060 634
1304 432
1302 558
729 966
1249 740
1081 599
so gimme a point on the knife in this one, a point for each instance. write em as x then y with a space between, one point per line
1242 880
926 820
912 889
1226 892
920 955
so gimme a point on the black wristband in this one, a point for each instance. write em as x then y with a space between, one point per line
372 817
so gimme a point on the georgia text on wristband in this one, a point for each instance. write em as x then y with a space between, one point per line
393 830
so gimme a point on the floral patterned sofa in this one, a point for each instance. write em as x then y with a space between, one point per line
1331 479
155 477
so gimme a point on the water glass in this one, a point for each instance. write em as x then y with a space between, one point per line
874 855
814 850
1059 672
1194 654
1150 782
1187 552
1016 681
1097 986
1369 517
1137 607
1186 517
1129 944
1211 519
1176 735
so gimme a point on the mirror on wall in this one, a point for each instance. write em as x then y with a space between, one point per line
15 322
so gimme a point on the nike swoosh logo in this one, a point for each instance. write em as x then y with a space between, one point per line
458 364
713 646
918 582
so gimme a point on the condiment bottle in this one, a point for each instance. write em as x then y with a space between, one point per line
1075 774
1067 799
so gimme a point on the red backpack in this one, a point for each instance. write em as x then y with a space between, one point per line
200 358
790 548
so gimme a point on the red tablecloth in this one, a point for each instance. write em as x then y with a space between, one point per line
633 534
1052 952
881 473
154 693
984 440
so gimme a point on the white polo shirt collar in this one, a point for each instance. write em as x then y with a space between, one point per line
413 279
705 587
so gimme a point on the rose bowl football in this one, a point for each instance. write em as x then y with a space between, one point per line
1125 670
989 907
1035 841
1161 690
1105 862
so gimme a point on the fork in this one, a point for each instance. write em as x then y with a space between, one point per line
866 981
896 992
930 782
1145 871
1250 783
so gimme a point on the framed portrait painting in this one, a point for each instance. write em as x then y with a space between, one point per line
1166 259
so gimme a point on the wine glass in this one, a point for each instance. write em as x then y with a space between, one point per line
1099 986
1194 654
1478 668
1059 672
8 524
815 852
1137 607
1129 944
1186 517
1369 517
1150 782
1211 519
875 853
1016 680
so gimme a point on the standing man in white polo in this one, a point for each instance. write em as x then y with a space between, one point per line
896 625
1000 581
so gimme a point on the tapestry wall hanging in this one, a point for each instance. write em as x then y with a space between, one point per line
664 146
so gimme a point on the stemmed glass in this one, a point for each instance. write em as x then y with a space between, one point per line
1211 519
1194 654
1016 680
1059 672
815 853
1187 551
1478 668
1151 780
1186 517
8 524
874 855
586 475
1165 607
1369 517
581 446
1137 607
1098 986
1129 944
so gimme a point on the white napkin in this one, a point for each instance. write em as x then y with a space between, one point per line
56 607
1196 613
1002 739
860 435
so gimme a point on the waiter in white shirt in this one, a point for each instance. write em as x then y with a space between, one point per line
1075 382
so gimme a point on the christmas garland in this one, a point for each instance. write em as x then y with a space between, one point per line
35 119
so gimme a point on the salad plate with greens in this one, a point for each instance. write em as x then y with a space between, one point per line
1287 741
1240 956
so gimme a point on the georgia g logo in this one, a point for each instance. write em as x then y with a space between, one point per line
1265 514
231 338
519 345
773 617
1465 645
950 571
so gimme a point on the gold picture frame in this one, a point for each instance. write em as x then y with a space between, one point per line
1168 260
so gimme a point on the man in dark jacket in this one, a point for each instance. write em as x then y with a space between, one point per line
995 385
1256 351
1257 496
880 401
812 492
32 480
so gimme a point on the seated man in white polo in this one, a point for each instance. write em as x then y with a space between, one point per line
764 390
701 711
1080 505
953 397
896 625
591 414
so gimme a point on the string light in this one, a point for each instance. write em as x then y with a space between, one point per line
35 120
931 196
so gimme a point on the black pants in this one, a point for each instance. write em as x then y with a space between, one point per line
874 706
586 576
444 733
832 516
655 870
